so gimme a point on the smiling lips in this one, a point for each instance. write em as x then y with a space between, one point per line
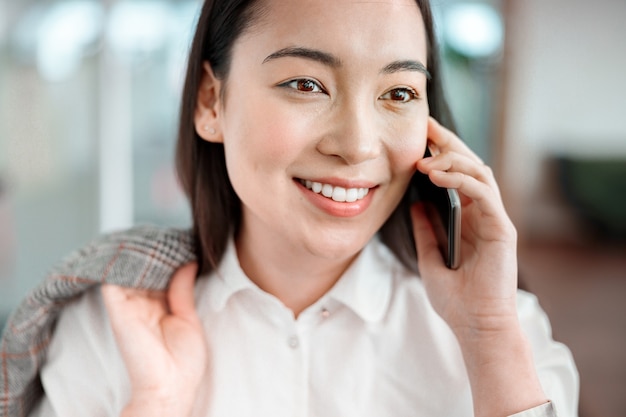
336 193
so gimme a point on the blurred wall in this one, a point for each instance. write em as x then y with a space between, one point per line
565 95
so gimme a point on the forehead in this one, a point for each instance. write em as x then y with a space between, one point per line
385 29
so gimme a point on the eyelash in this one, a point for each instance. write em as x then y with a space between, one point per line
412 94
296 83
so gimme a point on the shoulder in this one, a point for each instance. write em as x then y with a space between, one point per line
140 257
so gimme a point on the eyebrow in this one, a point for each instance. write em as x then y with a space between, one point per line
334 62
307 53
406 65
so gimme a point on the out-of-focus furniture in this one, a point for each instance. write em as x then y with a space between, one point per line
596 189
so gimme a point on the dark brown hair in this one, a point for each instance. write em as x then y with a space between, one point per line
201 165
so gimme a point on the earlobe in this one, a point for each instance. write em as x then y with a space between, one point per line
208 107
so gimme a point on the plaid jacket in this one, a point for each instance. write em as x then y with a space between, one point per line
143 257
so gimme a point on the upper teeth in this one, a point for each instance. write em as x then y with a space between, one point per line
340 194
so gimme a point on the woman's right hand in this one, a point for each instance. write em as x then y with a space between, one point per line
162 342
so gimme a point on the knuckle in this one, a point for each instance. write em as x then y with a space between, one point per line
488 171
511 230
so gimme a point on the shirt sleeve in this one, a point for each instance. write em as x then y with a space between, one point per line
553 361
544 410
84 374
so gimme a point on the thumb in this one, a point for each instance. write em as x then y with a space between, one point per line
180 294
428 254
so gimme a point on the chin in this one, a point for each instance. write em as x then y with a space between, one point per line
337 248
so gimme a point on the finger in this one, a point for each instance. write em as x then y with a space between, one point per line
447 141
456 162
113 296
124 304
181 291
121 310
428 253
119 296
486 198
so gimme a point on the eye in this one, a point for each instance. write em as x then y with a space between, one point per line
305 85
401 94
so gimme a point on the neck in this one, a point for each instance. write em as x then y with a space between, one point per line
297 277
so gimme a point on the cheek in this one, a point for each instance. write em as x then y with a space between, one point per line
281 137
410 145
262 137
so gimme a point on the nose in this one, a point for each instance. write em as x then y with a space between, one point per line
352 134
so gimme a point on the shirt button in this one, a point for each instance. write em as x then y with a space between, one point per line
325 313
293 342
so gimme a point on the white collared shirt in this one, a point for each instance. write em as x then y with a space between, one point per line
372 346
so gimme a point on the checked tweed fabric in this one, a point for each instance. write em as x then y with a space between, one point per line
143 257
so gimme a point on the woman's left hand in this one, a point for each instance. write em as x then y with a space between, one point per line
478 300
480 295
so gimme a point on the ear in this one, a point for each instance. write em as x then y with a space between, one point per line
208 107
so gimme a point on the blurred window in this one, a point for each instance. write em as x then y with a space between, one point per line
89 100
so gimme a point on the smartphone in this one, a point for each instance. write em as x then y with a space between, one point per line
443 208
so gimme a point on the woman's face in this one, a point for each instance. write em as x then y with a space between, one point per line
330 95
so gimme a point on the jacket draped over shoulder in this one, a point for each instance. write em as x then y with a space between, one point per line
143 257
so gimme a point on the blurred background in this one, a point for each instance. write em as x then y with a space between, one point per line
89 96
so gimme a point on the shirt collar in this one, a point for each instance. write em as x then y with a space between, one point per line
365 287
231 276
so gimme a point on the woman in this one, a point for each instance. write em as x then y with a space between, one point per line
302 125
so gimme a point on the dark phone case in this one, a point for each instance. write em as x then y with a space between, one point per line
443 208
